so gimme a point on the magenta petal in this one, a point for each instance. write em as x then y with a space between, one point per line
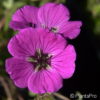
64 63
18 25
27 15
51 15
71 29
21 45
19 71
48 42
45 81
29 40
53 44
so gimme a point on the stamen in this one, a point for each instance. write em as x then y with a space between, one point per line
48 67
37 68
49 56
31 60
40 60
53 29
39 52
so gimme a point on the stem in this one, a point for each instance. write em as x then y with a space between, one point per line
8 93
60 96
2 22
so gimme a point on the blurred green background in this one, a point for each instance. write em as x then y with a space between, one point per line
87 46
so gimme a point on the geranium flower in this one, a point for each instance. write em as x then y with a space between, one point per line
40 61
51 16
55 18
24 17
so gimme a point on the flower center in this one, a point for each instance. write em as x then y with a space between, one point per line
40 60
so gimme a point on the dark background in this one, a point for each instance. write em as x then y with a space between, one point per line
85 78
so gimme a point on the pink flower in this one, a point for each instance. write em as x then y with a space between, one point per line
51 16
55 17
24 17
40 61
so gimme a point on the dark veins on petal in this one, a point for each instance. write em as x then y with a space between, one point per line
30 24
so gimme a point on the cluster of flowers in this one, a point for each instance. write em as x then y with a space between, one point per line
42 57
